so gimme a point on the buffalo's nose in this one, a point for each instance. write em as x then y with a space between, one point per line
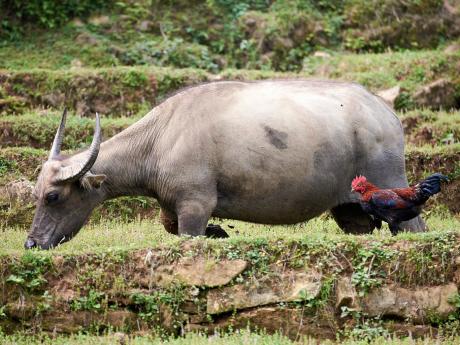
30 243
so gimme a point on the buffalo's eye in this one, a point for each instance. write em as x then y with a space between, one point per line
51 197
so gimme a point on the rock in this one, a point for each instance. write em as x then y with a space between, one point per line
100 20
323 55
54 99
452 48
198 272
289 287
65 322
22 309
76 63
20 191
320 36
208 273
423 136
324 71
121 338
120 319
283 43
438 94
86 38
198 318
77 23
250 22
82 108
415 305
291 322
144 26
405 329
345 294
451 9
390 95
100 105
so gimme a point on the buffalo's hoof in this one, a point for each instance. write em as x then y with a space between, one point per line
215 231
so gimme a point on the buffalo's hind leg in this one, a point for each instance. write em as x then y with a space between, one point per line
169 221
351 218
414 225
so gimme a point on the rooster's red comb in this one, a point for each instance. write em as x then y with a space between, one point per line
358 180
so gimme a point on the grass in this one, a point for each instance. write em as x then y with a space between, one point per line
432 150
43 49
236 338
407 68
143 86
38 129
434 127
148 233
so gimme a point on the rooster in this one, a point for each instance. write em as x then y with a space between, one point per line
398 204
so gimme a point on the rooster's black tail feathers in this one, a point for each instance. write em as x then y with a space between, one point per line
431 185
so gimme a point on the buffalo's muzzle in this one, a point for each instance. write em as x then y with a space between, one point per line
30 243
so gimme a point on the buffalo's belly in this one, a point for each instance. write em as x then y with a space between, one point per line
277 203
250 211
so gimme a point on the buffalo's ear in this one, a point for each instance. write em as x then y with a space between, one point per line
92 181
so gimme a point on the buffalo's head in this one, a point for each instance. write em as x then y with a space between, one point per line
66 193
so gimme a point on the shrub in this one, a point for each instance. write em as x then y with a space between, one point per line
44 13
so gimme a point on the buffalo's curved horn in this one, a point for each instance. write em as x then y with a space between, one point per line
77 170
56 148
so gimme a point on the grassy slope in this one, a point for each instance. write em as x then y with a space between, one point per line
37 128
139 88
221 34
116 235
57 51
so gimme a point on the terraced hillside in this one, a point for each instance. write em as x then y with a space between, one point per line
123 273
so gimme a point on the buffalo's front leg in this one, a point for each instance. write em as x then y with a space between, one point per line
170 223
193 215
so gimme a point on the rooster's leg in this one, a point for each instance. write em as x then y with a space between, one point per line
394 228
378 223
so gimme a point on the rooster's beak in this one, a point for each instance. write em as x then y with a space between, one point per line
352 189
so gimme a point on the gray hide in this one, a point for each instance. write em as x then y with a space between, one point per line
275 152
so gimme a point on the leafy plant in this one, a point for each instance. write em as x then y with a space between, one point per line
93 301
149 305
368 272
365 328
44 304
5 166
29 272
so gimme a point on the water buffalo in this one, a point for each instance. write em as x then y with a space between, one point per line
273 152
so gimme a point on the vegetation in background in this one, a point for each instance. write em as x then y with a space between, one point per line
122 57
49 14
219 34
